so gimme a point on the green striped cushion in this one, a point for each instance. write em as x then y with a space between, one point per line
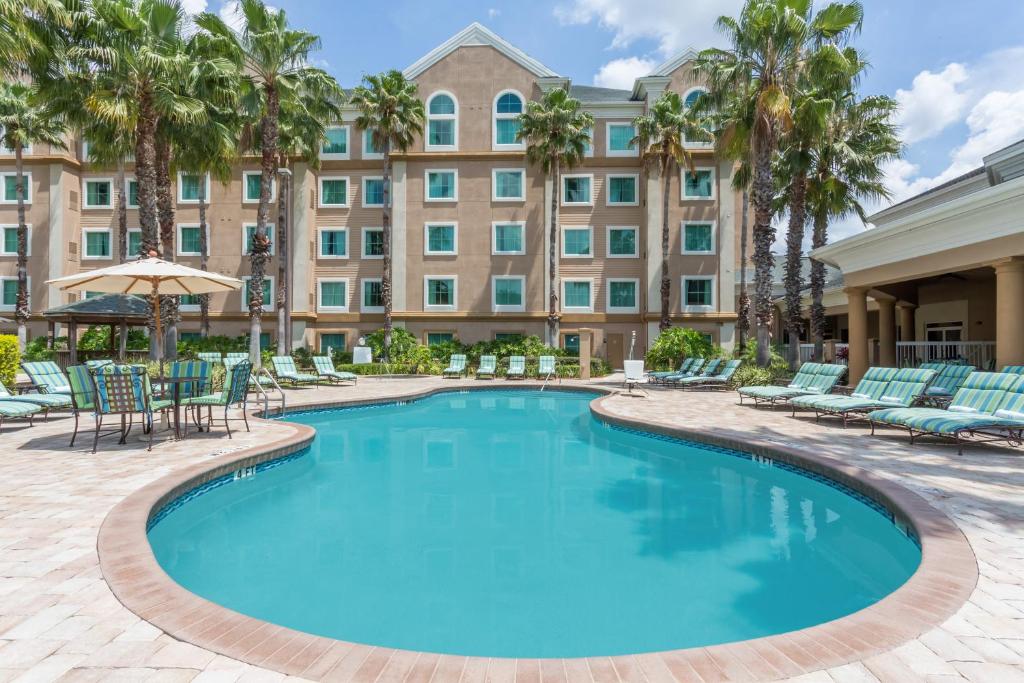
804 375
899 416
834 403
951 423
18 409
47 374
210 400
949 379
1013 401
982 392
770 392
874 382
1013 369
45 400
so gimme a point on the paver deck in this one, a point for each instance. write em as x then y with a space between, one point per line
60 621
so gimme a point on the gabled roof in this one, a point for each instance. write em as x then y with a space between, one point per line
589 94
477 34
666 68
102 308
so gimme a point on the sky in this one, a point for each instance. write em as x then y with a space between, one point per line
953 66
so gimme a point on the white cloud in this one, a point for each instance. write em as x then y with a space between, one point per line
231 14
493 13
193 6
620 73
933 103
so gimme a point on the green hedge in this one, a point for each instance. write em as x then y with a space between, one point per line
9 358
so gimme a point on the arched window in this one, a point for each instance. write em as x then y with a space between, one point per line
508 106
689 99
442 122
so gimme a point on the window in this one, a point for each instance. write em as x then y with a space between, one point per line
442 122
576 242
188 240
268 293
332 295
373 191
690 99
134 242
508 293
439 293
333 191
191 186
189 302
508 185
698 293
10 184
622 190
251 181
620 140
588 147
335 144
577 296
508 239
442 186
332 341
132 190
373 296
97 193
622 242
698 185
249 231
373 243
507 108
622 296
435 338
698 237
571 344
95 243
333 243
576 190
9 240
9 292
370 150
440 238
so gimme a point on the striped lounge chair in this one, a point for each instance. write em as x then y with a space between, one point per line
1014 369
516 367
684 370
17 409
284 368
233 358
880 388
47 402
47 377
949 378
488 367
708 370
988 404
211 357
811 378
456 366
324 367
716 381
546 367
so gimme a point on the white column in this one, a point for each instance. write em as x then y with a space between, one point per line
651 236
302 233
726 246
398 235
58 233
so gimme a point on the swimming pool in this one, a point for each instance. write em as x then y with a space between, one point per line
514 524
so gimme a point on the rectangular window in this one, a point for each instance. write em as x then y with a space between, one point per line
370 150
506 131
373 192
10 182
97 243
622 190
698 238
588 146
571 344
434 338
134 242
441 133
620 136
9 240
10 293
622 296
698 185
440 238
333 192
333 295
373 243
251 183
508 184
190 185
439 293
188 240
442 186
576 296
576 190
373 296
132 200
249 231
332 341
268 293
98 194
622 242
508 239
576 242
508 293
335 144
333 243
698 292
189 302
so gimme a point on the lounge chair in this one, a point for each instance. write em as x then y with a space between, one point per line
707 371
546 367
83 395
235 391
949 378
233 358
634 374
47 376
987 404
811 378
488 367
720 380
98 363
324 367
683 370
516 367
284 368
880 388
212 357
47 402
16 409
1013 369
456 366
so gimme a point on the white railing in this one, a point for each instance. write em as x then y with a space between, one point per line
980 354
807 353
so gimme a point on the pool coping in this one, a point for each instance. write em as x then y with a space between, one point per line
942 583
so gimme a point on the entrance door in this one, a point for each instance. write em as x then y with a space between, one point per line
615 352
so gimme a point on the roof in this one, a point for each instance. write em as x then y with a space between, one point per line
103 308
973 173
478 34
589 94
833 276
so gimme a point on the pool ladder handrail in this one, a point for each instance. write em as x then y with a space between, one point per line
254 381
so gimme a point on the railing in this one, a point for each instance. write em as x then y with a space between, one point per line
979 354
807 353
63 356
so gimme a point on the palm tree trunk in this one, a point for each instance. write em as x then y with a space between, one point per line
204 258
145 174
260 242
743 324
818 240
793 276
122 214
283 335
165 217
385 278
21 307
553 256
764 237
666 281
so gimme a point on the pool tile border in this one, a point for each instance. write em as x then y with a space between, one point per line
941 585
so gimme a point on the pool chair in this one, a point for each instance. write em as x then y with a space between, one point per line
719 380
488 367
17 409
235 391
284 368
185 368
456 366
707 371
47 377
948 379
98 363
811 378
1013 369
233 358
634 374
211 357
47 402
683 369
880 388
546 368
121 391
988 405
324 367
516 367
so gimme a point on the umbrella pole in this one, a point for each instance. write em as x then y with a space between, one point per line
159 332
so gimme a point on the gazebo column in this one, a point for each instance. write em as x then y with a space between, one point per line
857 298
124 341
112 342
50 334
73 341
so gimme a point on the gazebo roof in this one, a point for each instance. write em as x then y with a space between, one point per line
103 309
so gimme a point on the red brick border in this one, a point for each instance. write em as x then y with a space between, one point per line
942 583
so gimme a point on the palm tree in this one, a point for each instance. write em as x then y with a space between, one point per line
769 45
272 59
26 30
391 110
662 134
23 122
557 133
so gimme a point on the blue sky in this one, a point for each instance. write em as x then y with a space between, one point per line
953 65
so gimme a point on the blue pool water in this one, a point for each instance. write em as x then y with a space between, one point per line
514 524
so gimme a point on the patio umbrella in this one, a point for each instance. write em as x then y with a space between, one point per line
151 277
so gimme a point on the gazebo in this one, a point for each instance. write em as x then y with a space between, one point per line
120 311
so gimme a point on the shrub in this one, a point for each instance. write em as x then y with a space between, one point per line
675 344
531 347
97 338
36 349
751 376
445 350
192 347
402 342
9 358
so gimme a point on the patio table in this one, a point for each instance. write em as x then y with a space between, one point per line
175 392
